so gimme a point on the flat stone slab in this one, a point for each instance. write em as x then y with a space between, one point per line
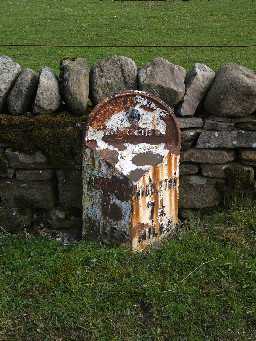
34 175
214 171
188 169
208 156
240 178
190 122
217 125
21 194
227 139
21 160
247 125
198 192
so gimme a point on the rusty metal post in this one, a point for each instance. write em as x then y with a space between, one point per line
131 171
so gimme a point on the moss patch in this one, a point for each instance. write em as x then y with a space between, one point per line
59 137
28 121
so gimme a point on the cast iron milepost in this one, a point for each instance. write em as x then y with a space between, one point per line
131 171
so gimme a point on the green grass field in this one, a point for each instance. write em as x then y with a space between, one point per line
122 23
200 286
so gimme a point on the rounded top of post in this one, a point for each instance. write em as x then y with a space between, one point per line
133 130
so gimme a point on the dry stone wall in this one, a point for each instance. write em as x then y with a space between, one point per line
43 116
40 175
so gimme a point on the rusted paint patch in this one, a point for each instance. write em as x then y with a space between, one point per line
136 186
155 203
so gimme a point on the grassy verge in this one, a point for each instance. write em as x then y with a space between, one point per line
122 23
199 286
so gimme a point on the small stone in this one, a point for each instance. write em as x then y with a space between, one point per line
216 125
197 81
188 169
48 98
214 171
9 71
22 95
60 219
34 175
190 122
112 75
70 188
15 219
65 237
74 84
34 194
10 173
58 214
233 92
189 138
198 192
163 79
3 166
227 139
247 155
240 178
20 160
208 156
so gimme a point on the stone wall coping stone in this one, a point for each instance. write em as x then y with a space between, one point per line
41 155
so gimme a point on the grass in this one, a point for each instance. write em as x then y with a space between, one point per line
199 286
122 23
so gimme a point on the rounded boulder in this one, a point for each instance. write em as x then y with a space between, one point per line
74 84
233 92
